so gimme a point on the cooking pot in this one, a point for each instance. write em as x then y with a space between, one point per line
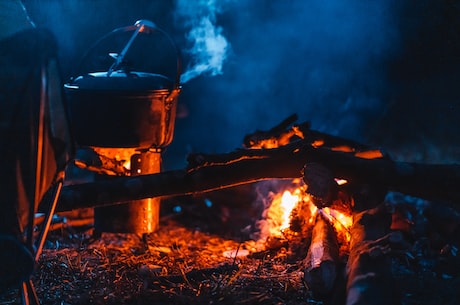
123 108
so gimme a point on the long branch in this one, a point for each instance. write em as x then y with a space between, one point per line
211 172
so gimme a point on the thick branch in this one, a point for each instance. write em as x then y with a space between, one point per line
368 269
429 181
321 263
212 172
284 133
112 190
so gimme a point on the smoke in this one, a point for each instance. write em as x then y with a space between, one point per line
209 47
324 60
346 66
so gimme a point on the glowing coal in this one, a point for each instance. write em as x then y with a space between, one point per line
292 201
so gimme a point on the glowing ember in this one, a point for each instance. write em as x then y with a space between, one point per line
341 181
281 207
279 213
313 210
288 202
340 221
119 154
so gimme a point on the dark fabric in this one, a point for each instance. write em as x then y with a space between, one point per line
17 262
29 78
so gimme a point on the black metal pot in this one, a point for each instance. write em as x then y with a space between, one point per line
122 108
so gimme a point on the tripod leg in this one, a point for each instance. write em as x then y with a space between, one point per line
29 294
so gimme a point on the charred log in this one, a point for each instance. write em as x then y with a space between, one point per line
369 267
279 135
287 132
321 263
240 167
212 172
429 181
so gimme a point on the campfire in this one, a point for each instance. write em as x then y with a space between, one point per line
296 217
323 237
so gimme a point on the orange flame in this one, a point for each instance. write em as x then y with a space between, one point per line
279 212
340 221
117 154
283 203
288 203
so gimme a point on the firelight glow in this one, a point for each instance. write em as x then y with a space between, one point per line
340 221
288 203
281 207
283 203
279 211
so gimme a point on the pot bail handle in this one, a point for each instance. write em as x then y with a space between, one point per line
141 26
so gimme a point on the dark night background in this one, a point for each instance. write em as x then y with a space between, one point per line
382 72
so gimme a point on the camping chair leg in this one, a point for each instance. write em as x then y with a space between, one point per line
47 221
28 293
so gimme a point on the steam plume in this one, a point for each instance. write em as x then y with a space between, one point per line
209 46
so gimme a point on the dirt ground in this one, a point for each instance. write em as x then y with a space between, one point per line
195 258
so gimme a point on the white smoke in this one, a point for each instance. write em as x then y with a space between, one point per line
209 46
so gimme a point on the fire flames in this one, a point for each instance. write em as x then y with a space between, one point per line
340 221
279 213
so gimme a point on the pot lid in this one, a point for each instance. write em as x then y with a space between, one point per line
140 47
121 80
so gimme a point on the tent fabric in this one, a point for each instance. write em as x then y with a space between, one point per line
35 141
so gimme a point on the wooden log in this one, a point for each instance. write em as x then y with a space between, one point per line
420 218
430 181
109 190
213 172
321 263
368 268
287 132
279 135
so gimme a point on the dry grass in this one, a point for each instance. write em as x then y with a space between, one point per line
175 265
182 263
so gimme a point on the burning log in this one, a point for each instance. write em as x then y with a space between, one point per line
429 181
102 164
212 172
369 278
283 134
108 190
321 263
277 136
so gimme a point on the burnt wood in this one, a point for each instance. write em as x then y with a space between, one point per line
321 263
288 131
281 133
217 171
368 269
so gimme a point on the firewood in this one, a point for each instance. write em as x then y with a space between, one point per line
213 172
368 268
109 190
321 263
430 181
320 184
103 165
285 133
279 135
419 218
